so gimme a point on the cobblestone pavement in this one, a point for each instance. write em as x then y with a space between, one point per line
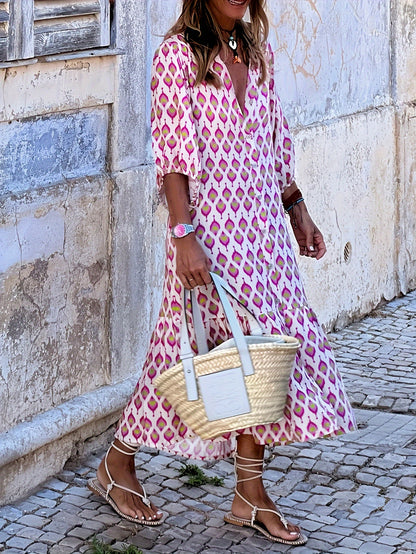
352 494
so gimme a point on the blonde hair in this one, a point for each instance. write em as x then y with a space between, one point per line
203 34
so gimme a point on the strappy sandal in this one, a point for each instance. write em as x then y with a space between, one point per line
96 487
253 522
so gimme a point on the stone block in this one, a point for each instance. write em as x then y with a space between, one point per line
130 137
404 45
39 548
406 125
56 147
138 265
360 167
36 89
53 297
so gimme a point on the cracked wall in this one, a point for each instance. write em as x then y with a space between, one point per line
55 211
53 320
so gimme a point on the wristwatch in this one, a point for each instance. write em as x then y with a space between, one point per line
181 230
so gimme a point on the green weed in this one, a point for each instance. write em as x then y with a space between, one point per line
197 477
99 547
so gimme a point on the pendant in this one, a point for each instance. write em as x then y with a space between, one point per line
232 43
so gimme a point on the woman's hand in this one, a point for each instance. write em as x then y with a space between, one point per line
308 236
192 264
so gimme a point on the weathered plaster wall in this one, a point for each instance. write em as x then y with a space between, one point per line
346 76
55 215
404 97
332 58
340 66
54 288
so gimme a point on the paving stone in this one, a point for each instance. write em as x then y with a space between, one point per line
13 528
82 533
280 463
18 542
33 521
174 508
322 466
407 483
76 500
71 542
376 548
304 463
384 481
10 513
390 532
397 492
38 548
391 541
29 533
59 549
27 507
170 495
60 527
48 493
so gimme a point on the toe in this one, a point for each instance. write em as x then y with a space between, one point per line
156 513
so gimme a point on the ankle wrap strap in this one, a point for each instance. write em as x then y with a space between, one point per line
133 449
257 475
255 462
112 483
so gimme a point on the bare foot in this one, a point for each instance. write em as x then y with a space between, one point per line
259 498
122 470
249 484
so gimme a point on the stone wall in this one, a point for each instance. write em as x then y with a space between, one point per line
81 235
55 258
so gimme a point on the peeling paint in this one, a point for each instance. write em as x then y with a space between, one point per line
53 307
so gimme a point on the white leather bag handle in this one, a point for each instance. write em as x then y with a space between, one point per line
186 352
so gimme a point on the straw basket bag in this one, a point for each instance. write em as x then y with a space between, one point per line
242 382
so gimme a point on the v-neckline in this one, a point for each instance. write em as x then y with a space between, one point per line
241 108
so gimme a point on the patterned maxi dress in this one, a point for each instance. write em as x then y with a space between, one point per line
238 162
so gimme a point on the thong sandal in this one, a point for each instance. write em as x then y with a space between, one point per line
253 522
97 488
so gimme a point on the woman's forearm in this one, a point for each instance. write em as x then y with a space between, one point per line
177 198
289 191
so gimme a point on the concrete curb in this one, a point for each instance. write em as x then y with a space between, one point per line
70 416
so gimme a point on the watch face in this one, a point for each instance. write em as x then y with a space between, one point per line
180 230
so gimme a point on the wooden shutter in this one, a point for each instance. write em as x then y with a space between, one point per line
16 29
70 25
4 29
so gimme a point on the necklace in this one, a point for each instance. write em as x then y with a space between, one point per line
233 45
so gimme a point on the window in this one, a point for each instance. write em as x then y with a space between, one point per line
31 28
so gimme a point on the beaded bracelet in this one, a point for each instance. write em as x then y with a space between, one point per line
294 204
294 199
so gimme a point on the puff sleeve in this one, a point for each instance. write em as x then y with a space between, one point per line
282 139
174 137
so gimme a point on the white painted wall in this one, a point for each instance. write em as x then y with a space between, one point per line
345 72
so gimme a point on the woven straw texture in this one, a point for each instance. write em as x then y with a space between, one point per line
267 388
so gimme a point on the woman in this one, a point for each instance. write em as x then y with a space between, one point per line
224 160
